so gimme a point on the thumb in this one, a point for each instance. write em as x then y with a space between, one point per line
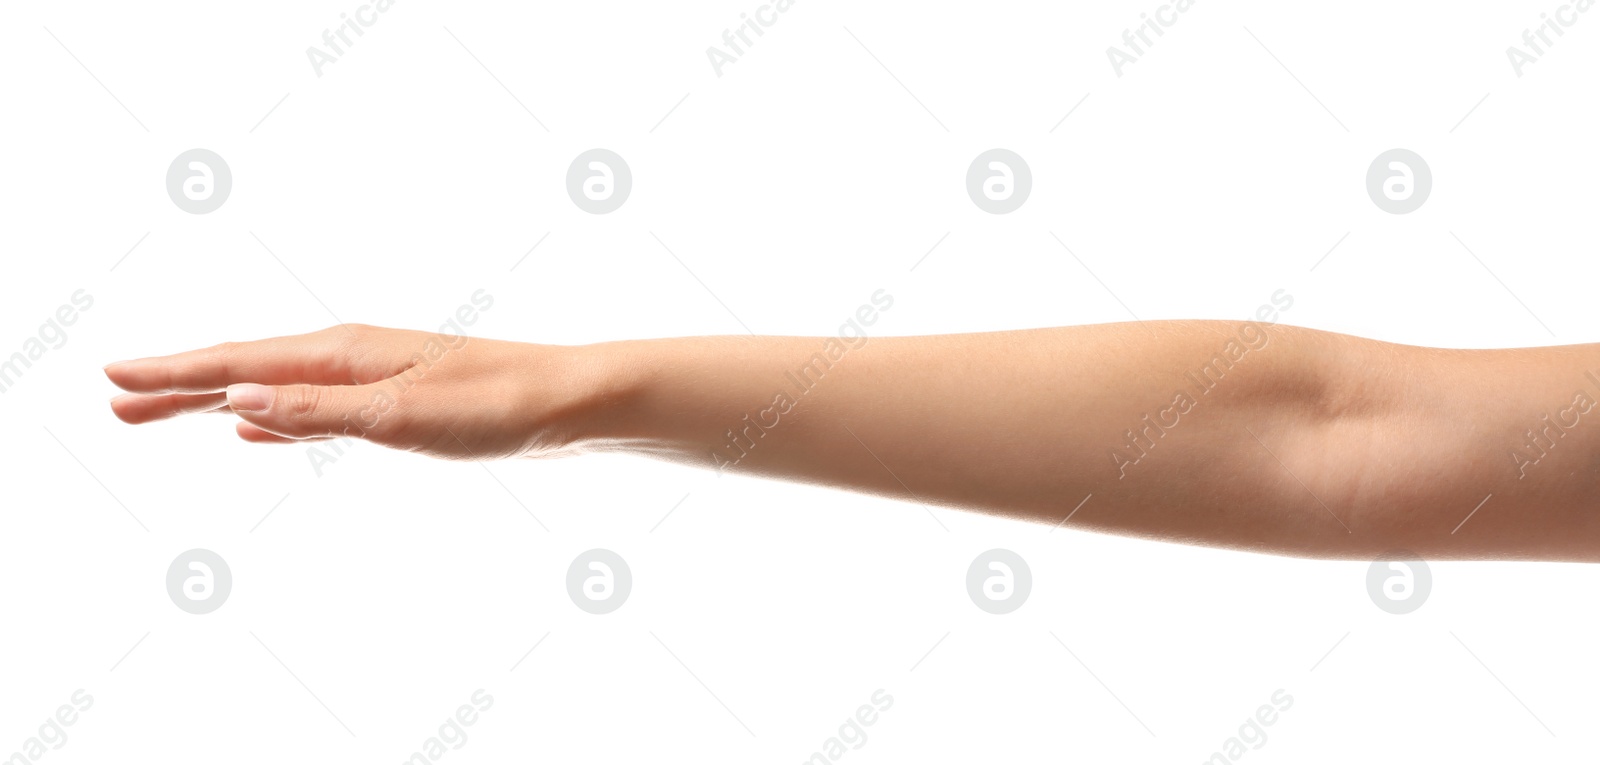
312 411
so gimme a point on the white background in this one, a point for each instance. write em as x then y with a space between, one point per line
793 186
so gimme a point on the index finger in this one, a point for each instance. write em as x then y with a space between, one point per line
334 356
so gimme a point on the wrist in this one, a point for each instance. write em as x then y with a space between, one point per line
598 404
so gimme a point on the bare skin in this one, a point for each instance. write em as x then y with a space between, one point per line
1290 441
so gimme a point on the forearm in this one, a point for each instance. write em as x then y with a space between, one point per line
1297 441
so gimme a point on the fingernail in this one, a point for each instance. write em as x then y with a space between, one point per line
112 364
249 397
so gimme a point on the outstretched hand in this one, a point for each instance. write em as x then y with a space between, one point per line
444 395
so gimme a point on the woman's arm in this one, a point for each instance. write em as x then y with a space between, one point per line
1243 435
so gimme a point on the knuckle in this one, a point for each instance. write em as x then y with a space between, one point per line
353 338
304 403
342 332
224 352
225 358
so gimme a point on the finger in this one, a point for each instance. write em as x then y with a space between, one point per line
341 355
256 435
136 408
308 411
